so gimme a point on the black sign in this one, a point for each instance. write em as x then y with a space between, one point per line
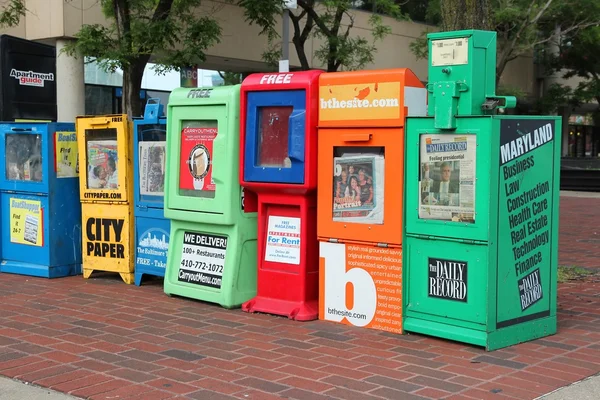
27 80
519 137
202 259
447 279
530 289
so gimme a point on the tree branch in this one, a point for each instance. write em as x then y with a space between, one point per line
310 10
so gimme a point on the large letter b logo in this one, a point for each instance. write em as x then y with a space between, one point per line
336 278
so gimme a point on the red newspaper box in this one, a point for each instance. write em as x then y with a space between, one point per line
278 169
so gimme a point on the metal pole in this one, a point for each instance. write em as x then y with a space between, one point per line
284 63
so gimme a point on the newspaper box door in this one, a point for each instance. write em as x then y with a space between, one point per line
446 198
363 189
103 153
201 176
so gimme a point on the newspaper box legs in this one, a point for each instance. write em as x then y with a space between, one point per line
361 169
481 243
212 248
106 192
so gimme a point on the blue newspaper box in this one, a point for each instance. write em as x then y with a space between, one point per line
39 207
151 227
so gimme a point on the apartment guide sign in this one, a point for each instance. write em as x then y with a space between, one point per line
31 78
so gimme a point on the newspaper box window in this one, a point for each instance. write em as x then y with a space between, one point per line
447 177
152 161
23 152
38 200
273 137
358 183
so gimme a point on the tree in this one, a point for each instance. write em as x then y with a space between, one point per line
330 20
230 78
12 11
578 55
522 25
169 30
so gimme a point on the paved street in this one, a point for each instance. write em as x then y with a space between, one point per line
102 339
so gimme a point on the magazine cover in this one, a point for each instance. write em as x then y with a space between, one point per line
152 168
196 159
102 160
447 177
358 183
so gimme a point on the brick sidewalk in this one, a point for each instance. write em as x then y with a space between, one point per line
102 339
579 232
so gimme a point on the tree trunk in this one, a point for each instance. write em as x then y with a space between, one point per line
132 85
466 14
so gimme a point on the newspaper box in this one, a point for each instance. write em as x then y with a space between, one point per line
361 168
149 160
279 164
481 239
39 188
106 193
212 251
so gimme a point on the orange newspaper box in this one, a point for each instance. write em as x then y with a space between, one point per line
360 193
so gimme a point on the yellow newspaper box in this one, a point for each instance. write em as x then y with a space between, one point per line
106 191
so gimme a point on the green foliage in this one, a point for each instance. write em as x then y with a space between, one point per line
329 20
570 273
230 78
524 25
12 11
168 30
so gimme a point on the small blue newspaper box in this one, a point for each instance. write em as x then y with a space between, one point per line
151 227
39 199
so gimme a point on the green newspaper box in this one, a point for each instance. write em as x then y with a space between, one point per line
481 205
212 248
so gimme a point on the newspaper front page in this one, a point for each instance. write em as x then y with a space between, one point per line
152 168
447 177
358 188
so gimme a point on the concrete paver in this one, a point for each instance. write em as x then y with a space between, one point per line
587 389
102 339
15 390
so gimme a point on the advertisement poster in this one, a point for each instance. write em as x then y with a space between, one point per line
197 158
447 177
375 278
526 249
283 240
26 222
102 159
67 156
202 259
152 168
358 184
23 157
